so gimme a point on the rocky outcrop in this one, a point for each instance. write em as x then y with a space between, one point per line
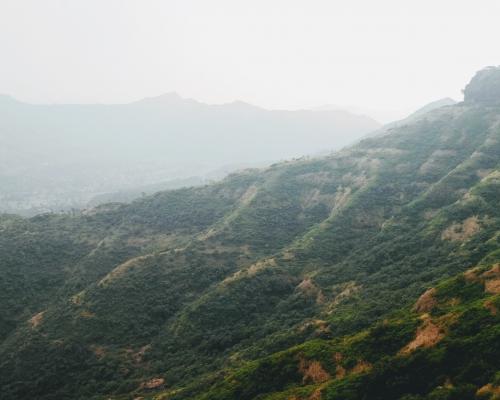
484 88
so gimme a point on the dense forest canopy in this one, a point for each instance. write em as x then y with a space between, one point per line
371 273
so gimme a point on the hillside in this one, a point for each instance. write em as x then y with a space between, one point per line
420 113
298 281
58 157
444 347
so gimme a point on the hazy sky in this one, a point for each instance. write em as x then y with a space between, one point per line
384 56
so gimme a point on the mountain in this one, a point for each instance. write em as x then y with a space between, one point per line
58 157
371 273
444 102
446 345
484 88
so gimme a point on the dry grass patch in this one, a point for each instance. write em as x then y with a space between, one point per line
309 289
361 367
36 319
460 232
87 314
122 269
490 391
492 286
426 302
471 275
492 280
312 371
488 304
428 335
154 383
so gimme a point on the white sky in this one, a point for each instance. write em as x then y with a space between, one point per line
385 56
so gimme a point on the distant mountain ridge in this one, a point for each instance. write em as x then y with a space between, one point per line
60 156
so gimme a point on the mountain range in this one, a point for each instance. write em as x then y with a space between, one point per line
370 273
59 157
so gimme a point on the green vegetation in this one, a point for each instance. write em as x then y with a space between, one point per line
293 282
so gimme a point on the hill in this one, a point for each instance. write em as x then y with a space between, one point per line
58 157
413 116
298 281
444 347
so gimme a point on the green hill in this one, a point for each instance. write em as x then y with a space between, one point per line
445 347
292 282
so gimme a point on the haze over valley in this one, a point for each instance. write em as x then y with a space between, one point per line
62 157
277 247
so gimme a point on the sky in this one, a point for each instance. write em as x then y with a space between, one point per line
385 58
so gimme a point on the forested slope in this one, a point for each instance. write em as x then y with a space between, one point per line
293 282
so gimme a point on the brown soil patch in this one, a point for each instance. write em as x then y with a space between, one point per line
489 390
492 286
490 278
488 304
460 232
493 272
426 302
87 314
428 335
307 286
36 319
309 289
153 383
361 366
313 371
340 372
471 275
316 395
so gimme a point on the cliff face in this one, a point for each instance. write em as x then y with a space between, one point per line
484 88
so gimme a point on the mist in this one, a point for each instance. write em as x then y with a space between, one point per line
63 157
384 59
